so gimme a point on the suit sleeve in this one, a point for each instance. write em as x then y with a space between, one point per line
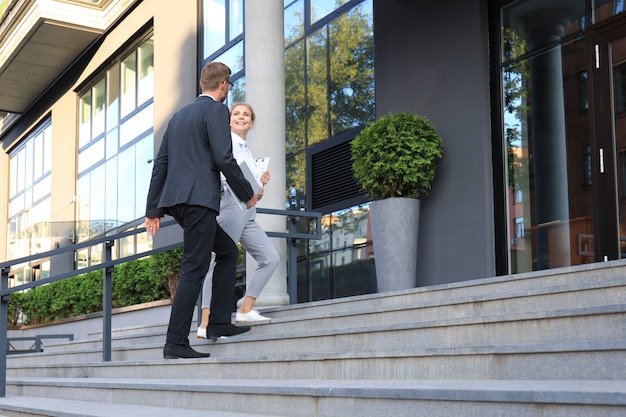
159 172
221 144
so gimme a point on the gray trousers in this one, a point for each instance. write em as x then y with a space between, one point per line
242 227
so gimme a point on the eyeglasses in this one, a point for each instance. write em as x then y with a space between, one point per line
229 83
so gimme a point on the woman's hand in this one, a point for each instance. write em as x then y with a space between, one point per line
265 178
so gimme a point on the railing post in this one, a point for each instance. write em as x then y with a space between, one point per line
292 263
107 301
4 308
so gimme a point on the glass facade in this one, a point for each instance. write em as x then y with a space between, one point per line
29 226
329 81
329 89
116 147
558 164
223 40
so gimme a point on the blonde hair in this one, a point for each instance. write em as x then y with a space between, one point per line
252 115
212 75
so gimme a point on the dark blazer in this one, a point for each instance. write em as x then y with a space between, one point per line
196 147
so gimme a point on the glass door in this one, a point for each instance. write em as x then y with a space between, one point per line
547 130
608 79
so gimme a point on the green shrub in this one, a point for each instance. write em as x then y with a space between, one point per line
396 155
135 282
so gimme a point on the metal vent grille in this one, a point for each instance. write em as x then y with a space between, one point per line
332 183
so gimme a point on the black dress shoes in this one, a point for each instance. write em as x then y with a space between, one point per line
215 331
172 351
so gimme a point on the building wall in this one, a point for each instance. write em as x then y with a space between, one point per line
175 85
432 59
413 72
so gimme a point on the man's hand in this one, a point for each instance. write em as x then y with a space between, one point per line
153 224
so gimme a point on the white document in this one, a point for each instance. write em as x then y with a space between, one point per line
261 164
250 177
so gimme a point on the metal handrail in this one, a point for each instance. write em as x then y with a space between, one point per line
109 264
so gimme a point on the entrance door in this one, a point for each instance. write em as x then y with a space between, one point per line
608 105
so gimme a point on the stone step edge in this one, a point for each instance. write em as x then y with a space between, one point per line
572 392
604 272
556 348
374 309
444 323
45 406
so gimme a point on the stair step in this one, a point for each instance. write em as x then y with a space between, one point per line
295 398
545 343
571 360
45 406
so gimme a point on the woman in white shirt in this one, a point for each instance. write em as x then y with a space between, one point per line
242 227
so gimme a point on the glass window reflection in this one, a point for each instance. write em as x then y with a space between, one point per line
294 21
235 15
321 8
604 9
109 169
214 25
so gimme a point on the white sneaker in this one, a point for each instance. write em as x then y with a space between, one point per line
201 333
251 316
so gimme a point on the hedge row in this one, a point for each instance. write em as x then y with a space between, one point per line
134 282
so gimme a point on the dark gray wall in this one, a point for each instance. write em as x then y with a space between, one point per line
432 59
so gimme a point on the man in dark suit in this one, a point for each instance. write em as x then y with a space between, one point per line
186 184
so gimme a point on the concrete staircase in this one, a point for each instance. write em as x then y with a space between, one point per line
536 344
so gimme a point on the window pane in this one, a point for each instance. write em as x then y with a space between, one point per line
516 29
97 199
145 152
38 156
237 93
132 128
21 170
321 8
604 9
90 156
214 25
112 142
352 69
28 161
129 73
111 190
235 18
47 149
84 206
12 176
126 186
42 188
99 103
317 87
113 93
233 57
84 134
16 205
295 98
146 71
296 182
294 22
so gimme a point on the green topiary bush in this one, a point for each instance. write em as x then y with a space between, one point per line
396 155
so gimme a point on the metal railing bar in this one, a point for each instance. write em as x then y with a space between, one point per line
107 267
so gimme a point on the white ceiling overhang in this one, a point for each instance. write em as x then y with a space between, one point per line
40 39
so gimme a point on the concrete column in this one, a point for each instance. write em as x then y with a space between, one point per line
542 28
265 91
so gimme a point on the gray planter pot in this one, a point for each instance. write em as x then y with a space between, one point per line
395 224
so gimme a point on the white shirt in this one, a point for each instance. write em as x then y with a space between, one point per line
241 152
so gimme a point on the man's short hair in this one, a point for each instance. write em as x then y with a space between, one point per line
213 73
